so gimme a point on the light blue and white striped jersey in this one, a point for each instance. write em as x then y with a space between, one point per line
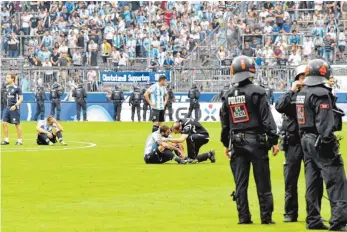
158 94
43 125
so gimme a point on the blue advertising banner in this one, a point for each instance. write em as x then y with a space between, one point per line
129 77
180 97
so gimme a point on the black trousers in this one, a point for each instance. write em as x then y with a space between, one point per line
55 104
42 139
138 109
117 110
196 108
242 156
40 109
157 157
324 163
81 104
146 107
170 109
194 143
294 156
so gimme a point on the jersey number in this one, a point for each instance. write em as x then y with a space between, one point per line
239 113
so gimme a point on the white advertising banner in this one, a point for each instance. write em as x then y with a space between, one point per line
209 112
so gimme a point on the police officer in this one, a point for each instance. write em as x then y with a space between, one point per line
40 98
194 95
291 145
3 97
269 92
117 97
146 106
134 101
54 96
318 119
80 95
170 100
224 91
246 122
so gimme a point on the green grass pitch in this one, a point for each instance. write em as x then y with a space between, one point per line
107 187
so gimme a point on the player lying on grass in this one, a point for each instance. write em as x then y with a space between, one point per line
158 152
48 132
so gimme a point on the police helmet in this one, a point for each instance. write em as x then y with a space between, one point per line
242 68
116 87
299 71
194 86
317 72
80 85
136 88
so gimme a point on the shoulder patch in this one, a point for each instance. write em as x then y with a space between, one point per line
324 106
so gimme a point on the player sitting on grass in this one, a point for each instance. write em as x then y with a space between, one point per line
158 152
48 131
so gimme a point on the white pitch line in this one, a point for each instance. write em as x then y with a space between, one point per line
49 148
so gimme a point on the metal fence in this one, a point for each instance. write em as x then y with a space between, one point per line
209 79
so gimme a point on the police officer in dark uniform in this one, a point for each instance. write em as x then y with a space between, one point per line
146 106
291 145
3 97
269 92
80 95
170 100
117 97
54 95
318 118
224 91
194 95
248 133
134 101
40 98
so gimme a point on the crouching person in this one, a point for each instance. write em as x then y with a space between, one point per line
49 132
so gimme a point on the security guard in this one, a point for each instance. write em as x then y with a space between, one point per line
3 97
224 91
291 145
117 97
248 133
146 106
80 95
194 95
134 101
170 100
40 98
54 96
318 118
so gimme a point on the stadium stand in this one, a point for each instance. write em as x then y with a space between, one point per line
60 40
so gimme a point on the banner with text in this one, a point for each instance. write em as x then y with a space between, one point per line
129 77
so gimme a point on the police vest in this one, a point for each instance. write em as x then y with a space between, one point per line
171 96
79 93
192 94
117 95
137 97
54 93
39 96
243 111
290 123
304 110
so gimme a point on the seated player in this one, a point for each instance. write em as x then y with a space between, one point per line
158 152
196 136
48 132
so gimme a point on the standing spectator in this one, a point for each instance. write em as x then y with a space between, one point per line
344 12
64 61
47 40
26 22
222 55
168 62
105 50
268 53
308 47
48 75
319 45
77 58
247 51
115 55
279 14
342 43
329 44
13 49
